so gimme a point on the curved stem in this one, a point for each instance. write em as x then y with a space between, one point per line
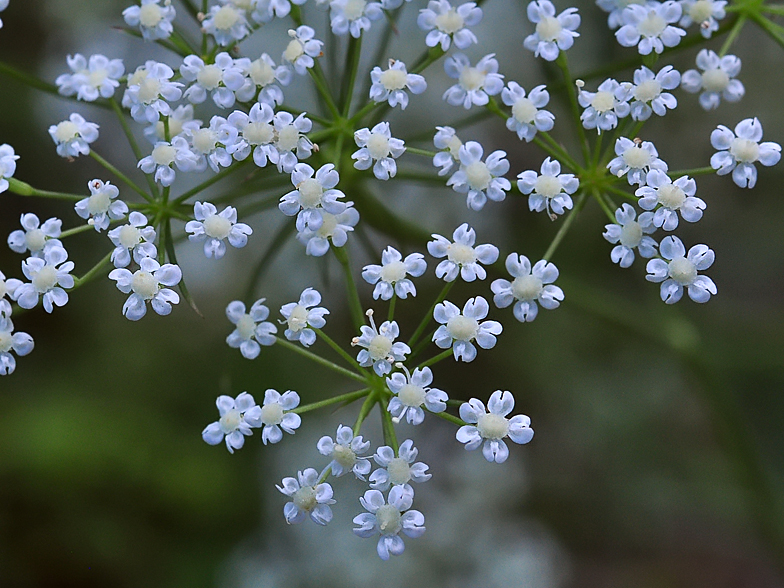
319 360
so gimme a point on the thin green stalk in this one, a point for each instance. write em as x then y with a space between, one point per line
364 410
340 351
417 151
76 231
448 417
422 345
564 155
347 398
120 175
319 360
598 197
93 273
622 193
388 428
429 315
357 315
392 302
321 85
137 152
415 176
563 63
696 171
24 189
559 155
436 358
212 180
39 84
169 245
734 32
581 200
350 78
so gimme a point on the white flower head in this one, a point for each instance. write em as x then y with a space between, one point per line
265 10
166 154
101 207
716 81
7 287
91 79
151 283
73 136
489 427
304 316
180 120
449 143
444 23
353 16
313 196
459 330
220 79
150 91
7 165
480 180
635 159
227 23
650 26
389 518
262 76
252 328
668 198
553 33
19 343
154 18
345 453
462 257
391 84
615 9
527 114
630 233
390 277
647 92
678 270
705 13
475 83
379 146
604 107
48 277
334 229
276 415
551 190
738 151
35 237
398 470
244 134
215 228
380 349
530 285
290 139
302 49
308 498
411 391
135 238
235 422
205 143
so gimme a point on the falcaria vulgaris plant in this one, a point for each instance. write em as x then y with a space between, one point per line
207 109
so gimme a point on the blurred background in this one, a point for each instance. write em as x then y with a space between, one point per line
658 454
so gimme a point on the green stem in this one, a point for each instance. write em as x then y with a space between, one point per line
319 360
347 398
559 149
93 273
436 358
425 152
392 307
39 84
75 231
604 207
24 189
120 175
367 406
697 171
321 85
448 417
429 315
353 294
350 78
565 226
734 32
137 152
214 179
563 63
388 427
340 351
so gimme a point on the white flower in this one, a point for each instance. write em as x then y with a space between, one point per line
226 23
650 26
635 159
313 197
530 285
205 144
134 238
388 519
48 277
549 191
309 497
253 328
353 16
390 277
73 136
480 180
490 427
605 106
8 287
3 6
344 452
262 75
706 13
300 316
334 228
615 8
670 197
527 116
647 92
629 234
447 140
461 255
398 471
553 34
89 80
289 137
739 150
163 155
475 84
390 84
180 120
98 207
221 79
302 49
215 228
7 165
410 393
380 146
254 132
19 343
149 89
446 23
145 285
275 415
266 10
154 20
35 238
380 349
236 419
458 330
716 81
681 271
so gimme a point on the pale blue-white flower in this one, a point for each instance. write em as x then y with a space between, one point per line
253 132
459 330
527 114
309 497
398 470
149 92
313 196
227 23
635 159
462 256
615 9
705 13
553 33
34 236
716 81
73 136
252 328
89 80
678 270
604 107
154 18
650 27
276 415
266 10
134 239
551 190
630 233
215 228
480 180
101 206
179 121
475 84
380 349
344 451
151 283
445 24
391 84
449 143
303 316
353 16
302 50
379 146
7 165
647 92
262 75
389 519
49 277
290 141
334 229
739 151
667 198
206 144
390 278
166 154
237 418
20 343
220 79
531 285
412 392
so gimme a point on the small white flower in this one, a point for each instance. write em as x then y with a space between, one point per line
527 116
205 143
445 23
7 165
90 80
235 422
275 415
253 328
647 92
353 16
8 287
35 238
604 107
739 150
615 8
461 255
549 191
290 138
163 155
19 343
411 392
266 10
670 197
262 76
377 144
301 315
475 84
73 136
252 132
149 89
635 159
553 33
226 23
134 238
215 228
334 228
180 120
99 208
629 234
344 452
313 197
153 19
380 349
530 285
390 277
302 49
308 498
221 79
145 285
490 427
447 140
458 330
650 26
480 180
706 13
48 277
681 271
390 84
389 519
398 471
716 81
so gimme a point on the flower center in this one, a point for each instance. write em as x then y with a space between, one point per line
460 254
637 157
393 79
715 80
35 240
453 145
150 15
298 319
129 236
388 518
137 77
462 328
411 395
164 154
548 28
631 234
6 341
204 140
225 18
671 196
97 77
217 227
478 175
449 22
329 223
399 471
344 455
682 271
288 137
524 110
603 101
149 89
230 421
378 145
305 498
547 186
294 50
701 11
492 426
98 202
354 9
310 192
210 77
261 72
472 78
66 131
46 279
272 414
652 26
259 133
246 327
379 347
144 284
744 150
393 272
647 91
527 287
